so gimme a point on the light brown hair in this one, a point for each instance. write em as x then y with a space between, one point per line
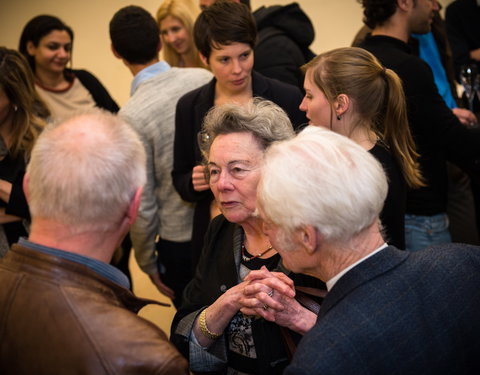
378 97
16 79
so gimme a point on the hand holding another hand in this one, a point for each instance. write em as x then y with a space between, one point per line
271 295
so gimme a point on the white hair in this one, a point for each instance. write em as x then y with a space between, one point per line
84 172
322 179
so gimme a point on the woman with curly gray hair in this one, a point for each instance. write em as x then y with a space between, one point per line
217 327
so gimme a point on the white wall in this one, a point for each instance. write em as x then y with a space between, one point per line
335 21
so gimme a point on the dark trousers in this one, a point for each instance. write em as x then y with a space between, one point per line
175 266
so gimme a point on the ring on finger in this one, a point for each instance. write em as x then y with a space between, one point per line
265 307
270 294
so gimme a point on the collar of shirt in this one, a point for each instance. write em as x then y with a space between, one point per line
334 279
147 73
103 269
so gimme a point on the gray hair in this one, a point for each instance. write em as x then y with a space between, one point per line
323 179
265 120
84 171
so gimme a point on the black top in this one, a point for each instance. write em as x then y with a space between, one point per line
393 212
11 170
438 134
191 109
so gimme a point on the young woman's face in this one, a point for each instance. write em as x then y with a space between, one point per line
53 51
232 66
175 34
315 105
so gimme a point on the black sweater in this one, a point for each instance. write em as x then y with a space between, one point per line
438 134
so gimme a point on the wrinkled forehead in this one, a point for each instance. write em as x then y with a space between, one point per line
235 146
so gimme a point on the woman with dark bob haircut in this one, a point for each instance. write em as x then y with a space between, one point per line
225 35
47 42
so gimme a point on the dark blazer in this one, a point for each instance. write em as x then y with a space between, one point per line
399 313
191 109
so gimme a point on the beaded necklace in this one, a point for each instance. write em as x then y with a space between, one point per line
248 259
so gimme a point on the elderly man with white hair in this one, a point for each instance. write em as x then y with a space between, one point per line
386 311
64 309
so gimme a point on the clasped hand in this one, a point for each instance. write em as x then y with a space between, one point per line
271 295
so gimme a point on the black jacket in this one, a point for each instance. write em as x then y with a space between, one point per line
284 36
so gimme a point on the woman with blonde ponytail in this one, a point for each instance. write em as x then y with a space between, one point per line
351 93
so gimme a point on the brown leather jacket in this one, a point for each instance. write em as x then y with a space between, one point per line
60 317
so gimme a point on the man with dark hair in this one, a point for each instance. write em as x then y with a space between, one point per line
206 3
438 134
284 36
155 91
64 309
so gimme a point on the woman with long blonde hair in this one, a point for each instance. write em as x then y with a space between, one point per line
351 93
175 19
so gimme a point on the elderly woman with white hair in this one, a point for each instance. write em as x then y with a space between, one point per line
217 328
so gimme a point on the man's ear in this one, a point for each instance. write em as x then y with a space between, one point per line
404 5
134 205
115 53
25 186
342 104
309 237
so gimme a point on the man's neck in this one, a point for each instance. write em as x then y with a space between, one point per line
336 257
397 33
137 68
96 245
395 27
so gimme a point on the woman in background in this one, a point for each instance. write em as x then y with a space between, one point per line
175 19
47 44
19 128
351 93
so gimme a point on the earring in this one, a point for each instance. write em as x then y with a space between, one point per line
338 117
15 108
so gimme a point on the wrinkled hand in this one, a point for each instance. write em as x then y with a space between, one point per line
162 288
198 178
271 296
465 116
